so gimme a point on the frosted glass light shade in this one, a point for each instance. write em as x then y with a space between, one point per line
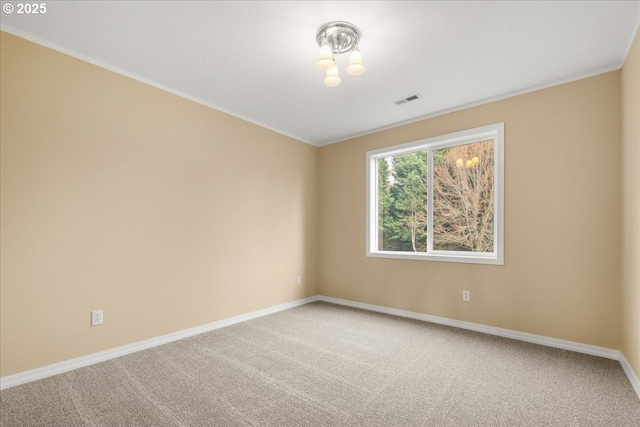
355 66
325 57
332 78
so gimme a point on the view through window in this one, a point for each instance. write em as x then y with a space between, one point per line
438 198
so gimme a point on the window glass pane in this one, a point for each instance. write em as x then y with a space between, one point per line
463 198
402 203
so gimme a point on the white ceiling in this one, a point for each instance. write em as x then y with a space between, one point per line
257 60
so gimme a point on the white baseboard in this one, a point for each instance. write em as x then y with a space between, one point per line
491 330
506 333
69 365
633 378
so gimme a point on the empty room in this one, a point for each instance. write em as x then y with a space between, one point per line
310 213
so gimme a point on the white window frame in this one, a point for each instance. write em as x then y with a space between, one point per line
495 132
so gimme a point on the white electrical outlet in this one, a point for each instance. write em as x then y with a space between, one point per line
466 295
299 280
97 317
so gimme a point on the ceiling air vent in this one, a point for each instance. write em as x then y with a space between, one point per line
406 99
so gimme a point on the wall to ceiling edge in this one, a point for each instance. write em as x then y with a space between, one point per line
118 196
630 259
561 276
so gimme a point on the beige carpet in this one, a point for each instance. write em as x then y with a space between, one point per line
325 365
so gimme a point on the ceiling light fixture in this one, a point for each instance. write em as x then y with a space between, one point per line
335 38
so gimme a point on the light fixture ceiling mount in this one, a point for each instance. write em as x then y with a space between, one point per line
341 36
335 38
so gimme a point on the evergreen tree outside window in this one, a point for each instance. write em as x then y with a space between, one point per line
439 198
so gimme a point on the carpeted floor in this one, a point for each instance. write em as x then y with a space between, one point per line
326 365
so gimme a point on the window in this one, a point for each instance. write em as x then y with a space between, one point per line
438 199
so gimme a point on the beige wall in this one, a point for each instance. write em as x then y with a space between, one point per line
562 220
168 214
630 290
116 195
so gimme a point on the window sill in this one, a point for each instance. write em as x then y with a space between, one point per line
491 258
